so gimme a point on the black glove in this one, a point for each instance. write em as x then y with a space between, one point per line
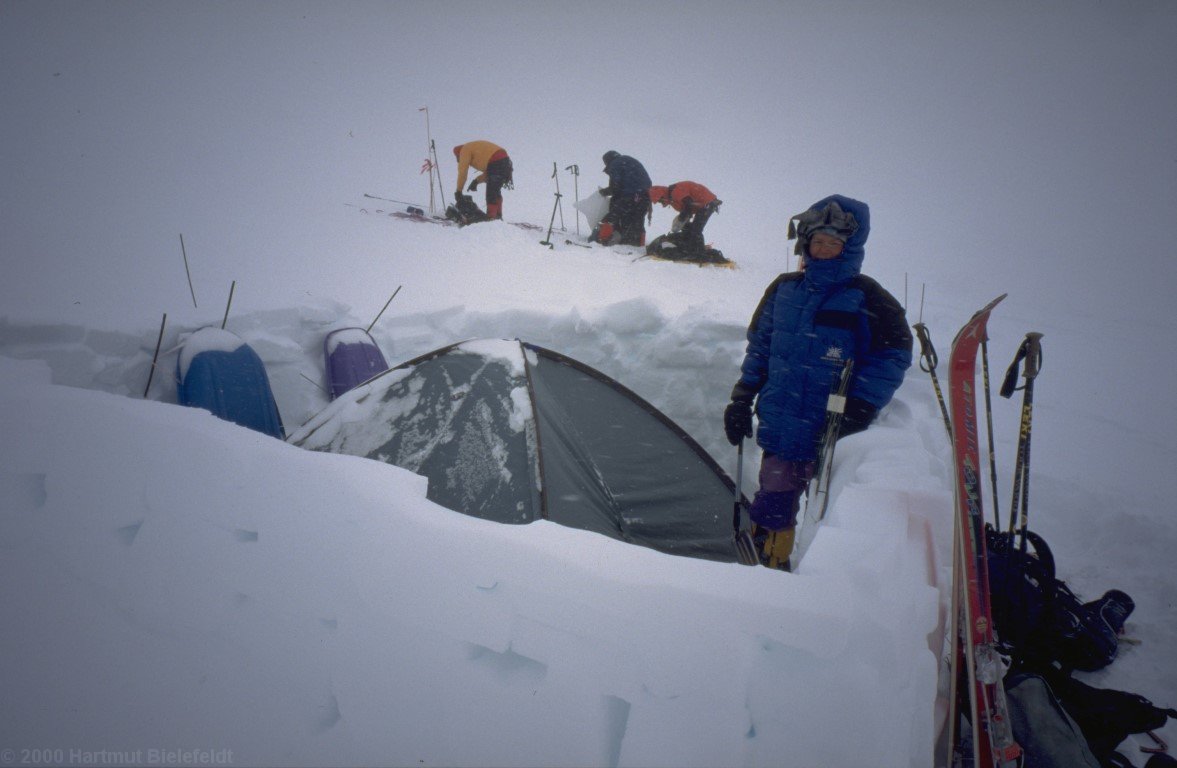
458 195
604 191
857 416
737 417
737 421
473 186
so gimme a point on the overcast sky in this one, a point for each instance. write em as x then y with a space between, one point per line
1003 146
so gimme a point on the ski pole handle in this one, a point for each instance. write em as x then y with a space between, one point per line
927 351
1031 352
1033 355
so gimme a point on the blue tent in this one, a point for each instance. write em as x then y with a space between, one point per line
219 372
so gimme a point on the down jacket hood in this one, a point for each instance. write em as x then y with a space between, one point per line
824 273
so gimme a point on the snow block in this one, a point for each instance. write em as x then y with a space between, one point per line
219 372
351 357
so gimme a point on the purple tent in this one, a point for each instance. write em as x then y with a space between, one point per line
351 357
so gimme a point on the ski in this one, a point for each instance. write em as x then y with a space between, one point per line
418 214
817 494
975 662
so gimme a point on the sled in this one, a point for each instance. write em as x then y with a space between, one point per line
665 248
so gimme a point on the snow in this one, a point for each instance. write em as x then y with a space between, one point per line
207 339
174 582
346 336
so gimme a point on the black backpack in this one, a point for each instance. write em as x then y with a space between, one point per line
1038 619
1048 734
465 211
676 246
1106 716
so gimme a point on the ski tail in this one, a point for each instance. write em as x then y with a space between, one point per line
817 495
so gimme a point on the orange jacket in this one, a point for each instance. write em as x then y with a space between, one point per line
477 154
683 196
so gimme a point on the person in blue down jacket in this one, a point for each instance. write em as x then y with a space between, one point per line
806 326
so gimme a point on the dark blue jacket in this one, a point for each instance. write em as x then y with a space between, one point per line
806 325
627 176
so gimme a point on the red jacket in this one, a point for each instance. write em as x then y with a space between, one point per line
683 196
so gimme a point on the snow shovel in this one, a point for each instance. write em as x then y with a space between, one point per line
745 547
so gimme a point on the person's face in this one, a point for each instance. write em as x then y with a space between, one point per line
823 246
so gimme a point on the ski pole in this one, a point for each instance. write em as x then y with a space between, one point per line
928 363
381 312
556 176
835 407
548 240
155 357
739 483
989 427
428 146
188 272
1031 353
436 167
745 546
390 200
575 169
228 304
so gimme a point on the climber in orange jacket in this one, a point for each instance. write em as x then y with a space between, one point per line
694 203
495 169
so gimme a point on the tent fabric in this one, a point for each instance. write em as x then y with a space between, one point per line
512 432
219 372
351 356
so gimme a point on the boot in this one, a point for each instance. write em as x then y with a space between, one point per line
777 548
605 234
774 546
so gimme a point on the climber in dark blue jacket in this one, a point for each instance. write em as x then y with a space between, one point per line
806 326
629 201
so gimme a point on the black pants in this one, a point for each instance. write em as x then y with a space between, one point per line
627 214
692 228
498 173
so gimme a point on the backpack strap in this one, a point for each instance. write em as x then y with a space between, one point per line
1045 556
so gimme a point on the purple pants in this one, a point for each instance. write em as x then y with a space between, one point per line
782 482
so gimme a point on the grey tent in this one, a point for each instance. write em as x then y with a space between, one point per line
512 432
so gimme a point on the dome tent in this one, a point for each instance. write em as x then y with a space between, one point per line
512 432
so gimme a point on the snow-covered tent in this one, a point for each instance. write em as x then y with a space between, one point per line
512 432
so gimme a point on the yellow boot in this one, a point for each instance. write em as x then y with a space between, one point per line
777 548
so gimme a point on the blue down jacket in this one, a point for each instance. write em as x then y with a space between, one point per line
805 327
627 176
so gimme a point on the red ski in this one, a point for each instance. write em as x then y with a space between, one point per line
976 688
